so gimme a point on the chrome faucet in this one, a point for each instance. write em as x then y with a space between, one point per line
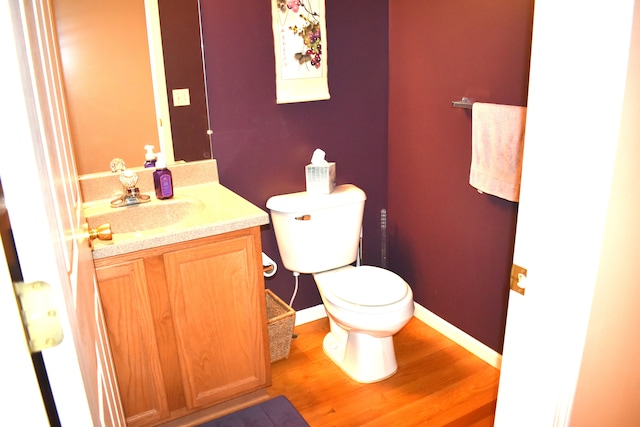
128 179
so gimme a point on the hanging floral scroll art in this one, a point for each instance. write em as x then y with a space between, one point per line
300 47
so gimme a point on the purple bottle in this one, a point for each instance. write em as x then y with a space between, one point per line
149 157
162 179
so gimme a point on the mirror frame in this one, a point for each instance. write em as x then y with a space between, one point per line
158 78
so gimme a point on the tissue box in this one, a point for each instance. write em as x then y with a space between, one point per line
321 179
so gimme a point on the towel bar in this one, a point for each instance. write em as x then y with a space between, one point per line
463 103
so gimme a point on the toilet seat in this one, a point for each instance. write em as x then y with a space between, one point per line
364 286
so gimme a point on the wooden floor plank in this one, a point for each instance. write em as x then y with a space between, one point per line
438 383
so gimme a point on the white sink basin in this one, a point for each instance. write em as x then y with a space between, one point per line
146 216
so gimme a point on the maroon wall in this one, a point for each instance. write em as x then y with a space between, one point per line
452 244
262 147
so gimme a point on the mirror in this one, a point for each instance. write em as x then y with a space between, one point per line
121 70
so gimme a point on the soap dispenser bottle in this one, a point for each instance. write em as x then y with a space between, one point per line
162 179
149 157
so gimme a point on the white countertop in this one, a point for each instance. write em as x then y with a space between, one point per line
201 210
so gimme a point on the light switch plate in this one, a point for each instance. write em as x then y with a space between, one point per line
181 97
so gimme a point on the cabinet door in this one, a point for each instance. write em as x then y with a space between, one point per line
216 293
127 311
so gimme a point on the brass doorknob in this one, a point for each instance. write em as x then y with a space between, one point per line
103 232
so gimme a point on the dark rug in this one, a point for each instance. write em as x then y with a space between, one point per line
276 412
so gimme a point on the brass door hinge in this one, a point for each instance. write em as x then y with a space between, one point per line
39 315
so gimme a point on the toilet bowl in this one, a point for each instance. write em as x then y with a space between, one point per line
319 234
366 306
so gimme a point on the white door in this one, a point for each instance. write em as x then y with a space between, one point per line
20 398
43 201
576 90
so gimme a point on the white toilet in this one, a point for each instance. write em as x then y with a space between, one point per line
320 234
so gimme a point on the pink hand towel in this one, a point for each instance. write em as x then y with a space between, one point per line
497 144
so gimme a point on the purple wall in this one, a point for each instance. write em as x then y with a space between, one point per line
453 245
262 147
181 44
394 68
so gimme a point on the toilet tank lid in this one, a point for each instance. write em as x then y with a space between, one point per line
306 202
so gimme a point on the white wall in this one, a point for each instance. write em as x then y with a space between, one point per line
609 383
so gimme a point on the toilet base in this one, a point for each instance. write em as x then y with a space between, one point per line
364 358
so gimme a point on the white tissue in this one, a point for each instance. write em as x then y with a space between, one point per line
317 159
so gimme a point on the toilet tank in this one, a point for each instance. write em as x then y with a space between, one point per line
318 232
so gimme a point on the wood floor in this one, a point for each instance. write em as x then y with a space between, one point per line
438 383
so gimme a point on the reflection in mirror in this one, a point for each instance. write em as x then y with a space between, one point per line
115 107
184 68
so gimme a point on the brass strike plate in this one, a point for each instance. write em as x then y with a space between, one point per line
518 276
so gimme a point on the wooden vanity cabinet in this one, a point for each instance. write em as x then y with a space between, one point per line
187 325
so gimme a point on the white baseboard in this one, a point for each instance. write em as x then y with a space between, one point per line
456 335
310 314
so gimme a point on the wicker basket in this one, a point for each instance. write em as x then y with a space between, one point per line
280 320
